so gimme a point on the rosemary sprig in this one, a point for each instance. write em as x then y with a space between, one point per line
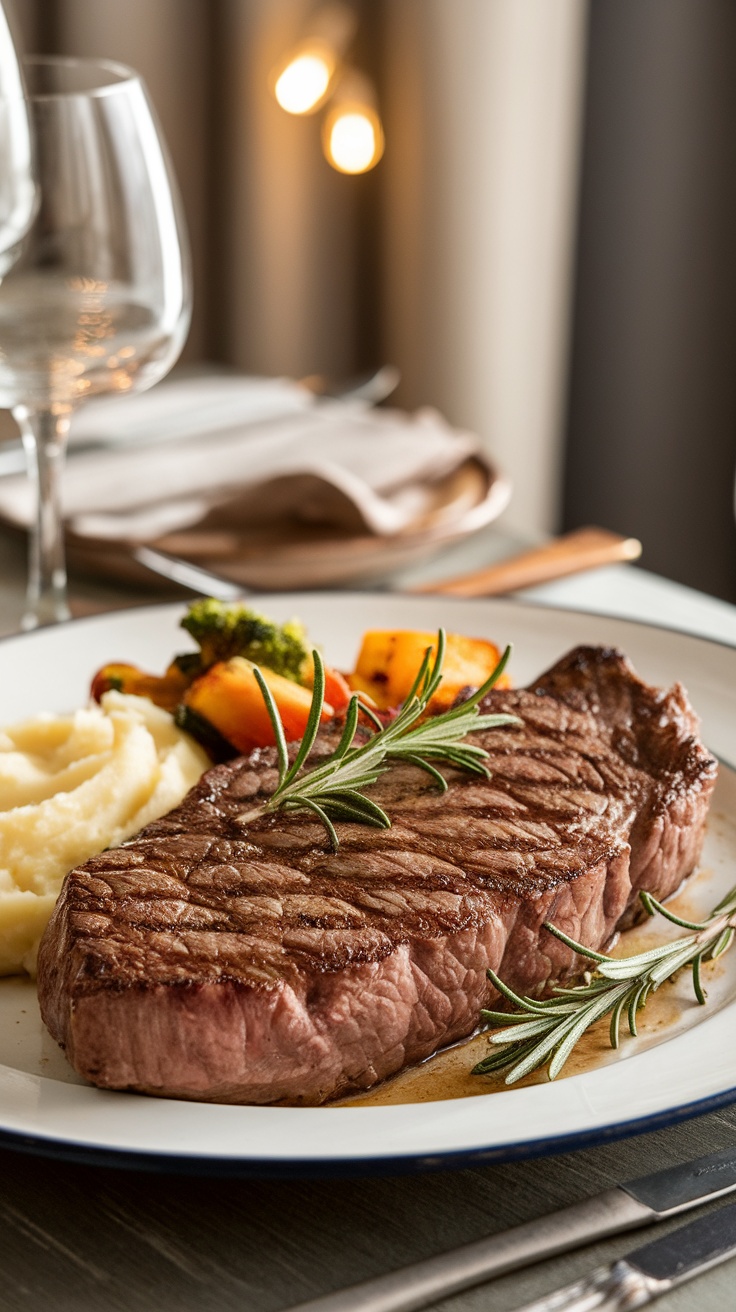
334 789
544 1032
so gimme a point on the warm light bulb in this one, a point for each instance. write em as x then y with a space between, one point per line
353 139
302 85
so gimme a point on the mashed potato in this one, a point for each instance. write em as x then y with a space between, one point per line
70 786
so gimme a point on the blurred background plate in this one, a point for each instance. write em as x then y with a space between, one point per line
288 552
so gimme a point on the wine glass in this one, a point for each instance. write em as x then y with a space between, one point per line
18 194
99 300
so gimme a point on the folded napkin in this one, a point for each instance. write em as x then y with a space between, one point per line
230 451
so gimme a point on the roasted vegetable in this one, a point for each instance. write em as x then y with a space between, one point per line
337 688
226 629
215 744
215 695
389 659
213 691
165 690
227 696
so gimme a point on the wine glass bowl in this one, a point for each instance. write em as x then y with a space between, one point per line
99 300
18 194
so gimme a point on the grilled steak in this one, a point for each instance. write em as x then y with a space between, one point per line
211 959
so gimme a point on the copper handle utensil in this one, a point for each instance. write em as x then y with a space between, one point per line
585 548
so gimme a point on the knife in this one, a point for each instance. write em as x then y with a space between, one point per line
625 1207
187 575
651 1271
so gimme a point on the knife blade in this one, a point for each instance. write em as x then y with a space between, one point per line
188 575
636 1203
648 1272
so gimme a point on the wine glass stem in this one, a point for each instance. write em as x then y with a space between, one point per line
44 438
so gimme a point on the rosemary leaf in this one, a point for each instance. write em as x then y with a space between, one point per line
539 1032
700 992
724 943
348 734
276 724
319 811
615 1030
575 1032
423 764
313 721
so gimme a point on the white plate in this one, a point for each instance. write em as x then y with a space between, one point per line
683 1069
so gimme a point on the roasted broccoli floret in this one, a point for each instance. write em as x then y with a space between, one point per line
225 629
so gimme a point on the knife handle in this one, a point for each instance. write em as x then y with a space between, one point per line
424 1283
586 548
616 1288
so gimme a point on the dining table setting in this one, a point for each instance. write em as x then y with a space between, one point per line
178 1214
180 1205
523 1158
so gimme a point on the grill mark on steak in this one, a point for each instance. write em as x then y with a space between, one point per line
249 963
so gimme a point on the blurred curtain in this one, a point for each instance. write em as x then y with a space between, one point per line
452 259
652 417
483 103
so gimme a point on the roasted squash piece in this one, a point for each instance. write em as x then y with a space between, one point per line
389 659
229 698
165 690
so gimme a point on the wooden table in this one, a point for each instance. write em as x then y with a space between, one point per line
88 1239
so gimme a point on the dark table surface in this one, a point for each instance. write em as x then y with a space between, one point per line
77 1238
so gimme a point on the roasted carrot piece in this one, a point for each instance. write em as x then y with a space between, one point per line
165 690
337 688
388 661
229 698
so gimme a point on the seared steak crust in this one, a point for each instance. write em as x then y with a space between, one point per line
213 959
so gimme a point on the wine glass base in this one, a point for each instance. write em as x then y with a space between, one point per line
44 610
